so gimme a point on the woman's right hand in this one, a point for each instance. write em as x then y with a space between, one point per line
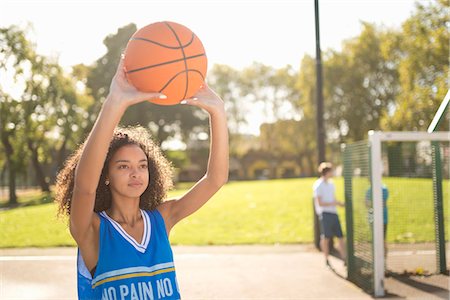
124 94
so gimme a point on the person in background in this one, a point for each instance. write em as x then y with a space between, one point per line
385 196
325 204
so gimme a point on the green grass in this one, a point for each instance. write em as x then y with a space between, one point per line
246 212
252 212
410 209
33 226
414 195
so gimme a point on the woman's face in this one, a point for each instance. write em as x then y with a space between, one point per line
128 172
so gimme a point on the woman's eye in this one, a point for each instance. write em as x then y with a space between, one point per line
144 166
123 167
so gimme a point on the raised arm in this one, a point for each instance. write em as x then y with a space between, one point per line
95 149
217 171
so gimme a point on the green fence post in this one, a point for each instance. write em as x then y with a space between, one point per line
349 212
438 209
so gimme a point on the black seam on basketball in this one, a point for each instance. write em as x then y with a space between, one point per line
184 58
162 45
173 78
165 63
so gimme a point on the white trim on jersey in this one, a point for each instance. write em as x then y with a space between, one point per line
141 247
132 270
83 270
147 229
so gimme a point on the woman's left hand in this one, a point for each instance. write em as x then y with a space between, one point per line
207 99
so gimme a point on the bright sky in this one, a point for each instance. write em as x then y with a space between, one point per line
233 32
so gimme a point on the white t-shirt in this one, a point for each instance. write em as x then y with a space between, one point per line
325 190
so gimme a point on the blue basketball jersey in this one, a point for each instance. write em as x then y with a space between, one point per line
127 269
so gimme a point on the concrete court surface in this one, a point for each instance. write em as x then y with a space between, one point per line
213 272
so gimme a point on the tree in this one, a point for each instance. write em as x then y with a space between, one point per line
360 84
282 140
422 53
226 81
304 104
8 121
34 120
39 114
69 107
100 74
270 89
15 55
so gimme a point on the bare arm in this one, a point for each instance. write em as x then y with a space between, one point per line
339 203
94 153
323 204
217 172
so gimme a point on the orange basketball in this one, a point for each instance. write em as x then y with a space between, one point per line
166 57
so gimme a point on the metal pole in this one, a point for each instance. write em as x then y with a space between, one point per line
319 117
319 94
377 203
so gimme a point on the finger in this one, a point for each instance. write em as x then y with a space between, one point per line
149 96
191 101
121 66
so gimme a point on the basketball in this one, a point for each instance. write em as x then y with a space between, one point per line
168 58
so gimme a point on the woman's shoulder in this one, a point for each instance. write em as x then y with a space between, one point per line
164 209
161 214
153 213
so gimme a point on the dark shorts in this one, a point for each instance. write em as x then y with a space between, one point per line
330 225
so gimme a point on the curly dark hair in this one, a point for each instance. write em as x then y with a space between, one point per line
159 168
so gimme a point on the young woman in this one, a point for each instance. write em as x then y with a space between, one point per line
113 189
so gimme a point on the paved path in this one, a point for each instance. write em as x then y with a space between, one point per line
236 272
